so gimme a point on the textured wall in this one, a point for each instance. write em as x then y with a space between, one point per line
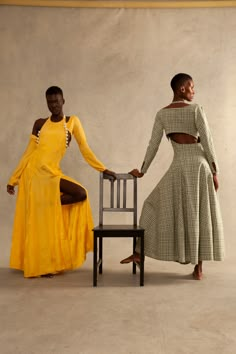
114 67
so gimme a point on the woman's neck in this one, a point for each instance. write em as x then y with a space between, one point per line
178 99
57 117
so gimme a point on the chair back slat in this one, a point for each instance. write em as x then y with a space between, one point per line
124 193
122 188
112 194
135 201
118 194
101 199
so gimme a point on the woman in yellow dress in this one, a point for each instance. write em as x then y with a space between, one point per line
53 221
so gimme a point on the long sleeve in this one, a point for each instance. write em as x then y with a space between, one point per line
157 133
206 139
86 151
14 179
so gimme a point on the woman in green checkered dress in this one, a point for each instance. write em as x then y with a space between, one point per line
181 216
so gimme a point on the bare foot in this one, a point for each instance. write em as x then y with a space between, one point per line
133 258
49 275
197 273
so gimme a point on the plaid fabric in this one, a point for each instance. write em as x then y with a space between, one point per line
191 120
181 216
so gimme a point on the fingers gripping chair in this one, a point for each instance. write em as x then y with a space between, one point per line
118 203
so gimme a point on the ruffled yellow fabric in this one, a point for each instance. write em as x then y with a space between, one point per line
49 237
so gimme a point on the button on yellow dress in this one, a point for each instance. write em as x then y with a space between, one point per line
48 237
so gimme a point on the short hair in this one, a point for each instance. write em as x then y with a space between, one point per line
179 80
54 90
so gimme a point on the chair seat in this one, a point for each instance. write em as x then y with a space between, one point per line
117 228
118 231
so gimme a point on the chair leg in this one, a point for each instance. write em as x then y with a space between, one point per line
142 260
95 261
100 254
134 246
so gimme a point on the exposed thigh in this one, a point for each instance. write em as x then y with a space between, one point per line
69 187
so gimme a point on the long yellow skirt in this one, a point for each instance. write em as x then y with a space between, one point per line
48 237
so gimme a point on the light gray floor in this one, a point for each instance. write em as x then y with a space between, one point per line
171 314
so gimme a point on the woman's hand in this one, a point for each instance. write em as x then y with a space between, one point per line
10 189
215 181
110 173
135 172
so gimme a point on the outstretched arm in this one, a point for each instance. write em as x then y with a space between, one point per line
85 149
157 133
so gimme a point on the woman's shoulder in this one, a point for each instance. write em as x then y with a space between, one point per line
72 119
190 106
73 123
38 124
196 106
39 121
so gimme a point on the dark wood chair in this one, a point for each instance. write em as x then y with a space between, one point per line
118 201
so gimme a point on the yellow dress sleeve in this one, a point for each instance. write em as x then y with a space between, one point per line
14 179
86 151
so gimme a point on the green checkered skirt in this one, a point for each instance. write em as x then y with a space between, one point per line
181 216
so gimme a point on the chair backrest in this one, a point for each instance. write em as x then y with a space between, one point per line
118 195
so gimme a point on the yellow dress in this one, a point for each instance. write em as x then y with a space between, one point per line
49 237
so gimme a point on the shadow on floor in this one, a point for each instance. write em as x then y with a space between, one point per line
83 278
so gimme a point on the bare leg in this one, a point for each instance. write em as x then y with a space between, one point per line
72 192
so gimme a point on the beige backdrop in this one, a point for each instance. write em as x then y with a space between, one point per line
114 66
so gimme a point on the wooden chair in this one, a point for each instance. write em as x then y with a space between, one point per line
117 203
